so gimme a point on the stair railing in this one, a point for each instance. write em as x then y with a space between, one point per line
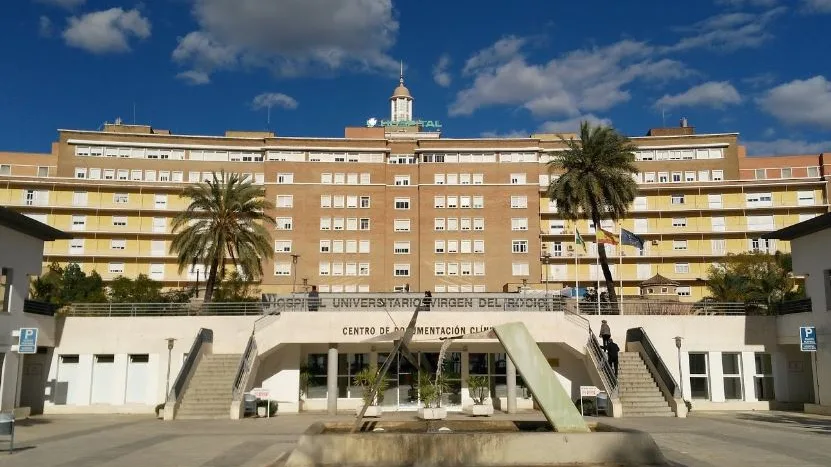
247 368
202 344
607 375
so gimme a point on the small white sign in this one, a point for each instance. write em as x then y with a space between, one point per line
589 391
261 393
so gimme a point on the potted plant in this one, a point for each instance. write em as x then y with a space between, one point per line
305 379
430 391
366 379
265 406
479 390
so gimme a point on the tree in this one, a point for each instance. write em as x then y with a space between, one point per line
595 182
225 221
758 279
142 289
62 286
236 289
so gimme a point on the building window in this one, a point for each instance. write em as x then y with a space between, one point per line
519 269
763 379
677 199
325 201
679 245
676 177
683 291
732 369
285 178
465 224
464 202
402 203
699 377
519 246
438 179
363 269
813 171
682 268
6 169
757 200
785 172
520 223
283 223
363 223
805 198
76 246
401 248
121 198
452 246
401 270
663 177
79 198
718 175
439 269
438 223
452 202
157 272
282 268
401 225
118 244
402 180
479 223
759 174
351 202
478 179
519 202
159 225
452 224
438 246
364 202
679 221
119 221
116 268
43 171
285 201
517 179
160 201
282 246
438 202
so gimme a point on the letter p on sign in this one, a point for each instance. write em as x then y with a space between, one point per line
808 338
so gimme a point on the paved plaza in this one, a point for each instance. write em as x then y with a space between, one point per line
703 440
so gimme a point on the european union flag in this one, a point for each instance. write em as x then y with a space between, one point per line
628 238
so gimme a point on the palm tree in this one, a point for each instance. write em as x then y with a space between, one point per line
225 221
595 182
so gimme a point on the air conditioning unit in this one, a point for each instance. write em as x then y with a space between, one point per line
654 242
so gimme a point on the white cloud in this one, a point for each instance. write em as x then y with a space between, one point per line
440 74
45 26
800 102
106 31
786 146
727 32
743 3
501 51
506 134
714 94
68 4
581 81
761 80
572 125
818 6
290 37
273 99
194 77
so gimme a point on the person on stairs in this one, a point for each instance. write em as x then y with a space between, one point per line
612 350
605 332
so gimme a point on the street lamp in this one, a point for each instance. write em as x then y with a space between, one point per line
170 341
545 258
294 272
678 340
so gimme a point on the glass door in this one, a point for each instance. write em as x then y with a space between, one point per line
389 401
451 397
407 384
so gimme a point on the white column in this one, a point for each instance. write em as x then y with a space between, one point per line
409 109
332 380
716 375
510 373
392 109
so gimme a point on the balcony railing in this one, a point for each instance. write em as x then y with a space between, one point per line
792 306
39 308
404 302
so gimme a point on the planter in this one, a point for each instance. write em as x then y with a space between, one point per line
371 411
432 413
263 408
480 410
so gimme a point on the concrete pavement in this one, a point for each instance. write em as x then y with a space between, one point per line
702 440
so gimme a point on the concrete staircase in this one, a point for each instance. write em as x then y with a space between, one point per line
639 393
209 392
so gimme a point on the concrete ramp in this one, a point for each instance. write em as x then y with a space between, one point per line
549 393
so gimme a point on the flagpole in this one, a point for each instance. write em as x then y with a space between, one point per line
620 271
577 278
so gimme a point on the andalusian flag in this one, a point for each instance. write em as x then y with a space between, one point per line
578 240
604 236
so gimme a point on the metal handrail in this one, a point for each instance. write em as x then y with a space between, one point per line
203 336
607 375
244 368
803 305
165 309
639 335
39 308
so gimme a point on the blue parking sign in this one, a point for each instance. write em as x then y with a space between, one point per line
808 338
28 340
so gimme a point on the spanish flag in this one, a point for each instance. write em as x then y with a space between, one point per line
604 236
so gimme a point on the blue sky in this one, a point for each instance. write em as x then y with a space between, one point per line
484 68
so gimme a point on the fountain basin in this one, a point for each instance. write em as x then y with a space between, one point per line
473 443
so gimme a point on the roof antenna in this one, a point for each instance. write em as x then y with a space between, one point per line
401 75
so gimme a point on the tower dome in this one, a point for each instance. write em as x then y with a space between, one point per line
401 102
